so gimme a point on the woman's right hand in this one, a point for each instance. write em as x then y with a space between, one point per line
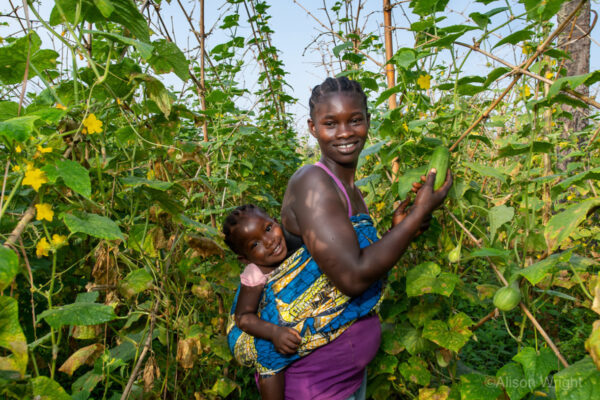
428 199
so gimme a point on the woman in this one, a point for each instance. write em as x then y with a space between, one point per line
316 207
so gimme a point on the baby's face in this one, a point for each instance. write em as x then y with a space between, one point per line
261 240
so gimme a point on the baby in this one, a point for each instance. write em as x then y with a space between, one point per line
260 243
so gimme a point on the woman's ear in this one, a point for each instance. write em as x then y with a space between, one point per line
311 127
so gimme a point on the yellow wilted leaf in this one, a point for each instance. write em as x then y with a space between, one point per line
440 393
187 352
592 345
85 355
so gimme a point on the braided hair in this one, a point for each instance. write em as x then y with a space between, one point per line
335 85
232 220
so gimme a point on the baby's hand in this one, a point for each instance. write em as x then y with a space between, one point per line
286 340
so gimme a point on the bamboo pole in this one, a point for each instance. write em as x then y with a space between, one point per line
389 51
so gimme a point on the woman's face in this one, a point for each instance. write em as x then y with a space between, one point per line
340 124
261 240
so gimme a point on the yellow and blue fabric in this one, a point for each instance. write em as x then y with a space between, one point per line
298 295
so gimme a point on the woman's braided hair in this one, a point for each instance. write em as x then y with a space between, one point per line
232 220
335 85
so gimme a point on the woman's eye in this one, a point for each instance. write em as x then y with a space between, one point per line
268 229
329 123
253 245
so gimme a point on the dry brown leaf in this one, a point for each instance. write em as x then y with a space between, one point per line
188 351
151 373
204 247
158 238
85 355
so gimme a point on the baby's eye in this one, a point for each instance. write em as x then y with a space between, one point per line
268 228
253 245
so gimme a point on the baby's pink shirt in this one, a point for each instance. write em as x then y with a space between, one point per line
253 276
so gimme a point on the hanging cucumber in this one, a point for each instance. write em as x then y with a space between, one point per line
507 298
439 160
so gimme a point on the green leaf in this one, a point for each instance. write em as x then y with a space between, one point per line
561 225
127 14
387 93
19 128
9 267
495 74
167 58
405 57
498 216
562 186
12 337
408 178
514 149
13 59
452 335
478 387
512 379
140 239
542 10
515 37
385 364
415 371
337 50
536 272
8 110
105 7
580 381
480 19
412 340
426 278
73 174
536 365
93 225
157 92
490 252
427 7
390 341
223 387
135 181
45 388
136 282
145 49
484 170
373 149
445 41
78 314
49 115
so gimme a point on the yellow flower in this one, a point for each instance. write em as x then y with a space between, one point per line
60 106
92 124
18 149
58 240
527 91
549 75
42 247
405 126
44 149
16 168
44 211
424 82
119 102
35 178
379 206
150 174
367 158
570 197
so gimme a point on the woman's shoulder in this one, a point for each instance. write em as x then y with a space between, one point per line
308 175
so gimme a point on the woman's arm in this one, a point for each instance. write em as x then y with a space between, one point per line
286 340
313 207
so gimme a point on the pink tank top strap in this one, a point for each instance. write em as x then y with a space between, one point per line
342 188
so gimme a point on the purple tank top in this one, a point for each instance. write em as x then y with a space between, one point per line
341 186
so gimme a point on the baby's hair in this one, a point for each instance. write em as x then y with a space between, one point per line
232 220
332 85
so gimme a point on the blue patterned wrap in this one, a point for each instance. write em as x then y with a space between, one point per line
298 295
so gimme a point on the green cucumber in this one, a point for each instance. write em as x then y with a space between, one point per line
507 298
439 160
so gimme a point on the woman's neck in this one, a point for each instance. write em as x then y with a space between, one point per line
344 173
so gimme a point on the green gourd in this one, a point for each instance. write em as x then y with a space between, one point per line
439 160
507 298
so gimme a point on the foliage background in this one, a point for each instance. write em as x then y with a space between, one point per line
114 280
